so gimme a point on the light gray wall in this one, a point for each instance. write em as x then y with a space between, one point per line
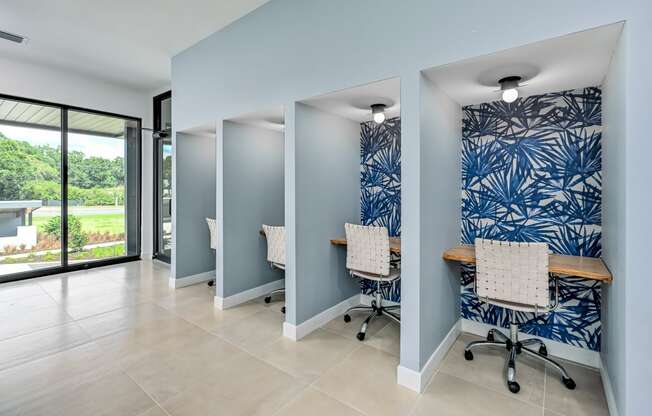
441 126
9 223
310 48
327 192
614 222
193 196
638 221
252 196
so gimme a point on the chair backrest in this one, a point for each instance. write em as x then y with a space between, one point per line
367 249
212 227
512 272
275 244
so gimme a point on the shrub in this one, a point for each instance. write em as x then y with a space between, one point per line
77 238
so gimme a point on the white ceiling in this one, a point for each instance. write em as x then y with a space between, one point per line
272 118
567 62
355 103
121 41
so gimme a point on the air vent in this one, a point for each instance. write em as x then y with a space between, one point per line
12 37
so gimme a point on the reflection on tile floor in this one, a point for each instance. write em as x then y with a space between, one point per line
118 341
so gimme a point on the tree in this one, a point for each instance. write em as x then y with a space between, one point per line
34 172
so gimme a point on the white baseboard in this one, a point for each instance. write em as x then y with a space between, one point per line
418 380
146 256
555 348
191 280
608 390
296 332
247 295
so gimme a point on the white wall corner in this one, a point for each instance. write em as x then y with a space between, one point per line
290 331
555 348
191 280
247 295
418 380
608 390
296 332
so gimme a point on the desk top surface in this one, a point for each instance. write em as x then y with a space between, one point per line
578 266
586 267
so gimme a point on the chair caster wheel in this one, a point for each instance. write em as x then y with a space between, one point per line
360 336
268 299
543 350
468 355
283 309
347 318
513 386
490 337
569 383
211 283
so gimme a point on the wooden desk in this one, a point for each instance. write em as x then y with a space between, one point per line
394 244
586 267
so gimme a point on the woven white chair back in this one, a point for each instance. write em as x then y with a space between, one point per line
275 244
367 249
512 272
212 227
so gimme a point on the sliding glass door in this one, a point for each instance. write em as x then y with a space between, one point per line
69 188
30 187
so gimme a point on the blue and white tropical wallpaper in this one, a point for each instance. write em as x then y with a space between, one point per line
380 185
531 171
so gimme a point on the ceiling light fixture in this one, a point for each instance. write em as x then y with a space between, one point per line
12 37
378 113
509 87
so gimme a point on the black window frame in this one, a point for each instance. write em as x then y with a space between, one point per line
157 252
64 267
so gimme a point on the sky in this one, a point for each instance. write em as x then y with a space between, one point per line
104 147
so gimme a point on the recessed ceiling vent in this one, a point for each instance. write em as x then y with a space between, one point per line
12 37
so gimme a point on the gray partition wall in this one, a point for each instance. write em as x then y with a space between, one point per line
193 201
326 169
440 132
253 195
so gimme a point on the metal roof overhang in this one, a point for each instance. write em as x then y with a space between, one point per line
25 114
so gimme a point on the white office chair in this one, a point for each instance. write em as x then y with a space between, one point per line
368 257
515 276
212 228
275 254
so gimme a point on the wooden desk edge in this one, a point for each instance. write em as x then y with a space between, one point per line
342 242
463 254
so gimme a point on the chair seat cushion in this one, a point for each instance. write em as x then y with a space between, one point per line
517 306
393 275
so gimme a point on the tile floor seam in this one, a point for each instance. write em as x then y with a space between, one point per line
503 393
34 331
290 402
339 401
31 360
146 393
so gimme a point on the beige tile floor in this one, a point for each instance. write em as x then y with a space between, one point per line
118 341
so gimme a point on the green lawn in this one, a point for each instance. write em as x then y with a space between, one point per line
93 223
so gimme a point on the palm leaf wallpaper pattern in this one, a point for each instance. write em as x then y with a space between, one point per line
531 171
380 186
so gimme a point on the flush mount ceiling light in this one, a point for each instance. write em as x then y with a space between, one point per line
12 37
509 87
378 113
